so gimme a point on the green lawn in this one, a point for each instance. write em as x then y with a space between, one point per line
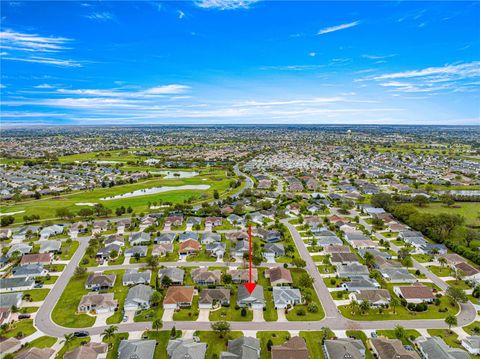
120 293
333 282
76 342
201 256
422 258
190 314
473 328
402 313
314 342
42 342
277 338
20 329
460 284
149 315
36 295
162 338
215 343
64 313
68 250
469 210
409 333
50 280
440 271
451 338
113 351
270 313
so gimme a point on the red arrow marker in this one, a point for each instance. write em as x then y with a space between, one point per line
250 286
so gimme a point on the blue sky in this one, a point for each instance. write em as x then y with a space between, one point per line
223 61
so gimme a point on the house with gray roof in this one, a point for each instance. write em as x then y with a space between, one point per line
351 270
138 297
471 343
188 235
8 300
436 348
16 284
139 238
216 249
397 274
106 252
50 231
255 300
29 270
242 348
241 247
358 283
166 238
136 349
175 274
210 237
22 248
142 250
100 281
286 296
374 252
273 250
20 234
183 348
342 348
133 276
51 246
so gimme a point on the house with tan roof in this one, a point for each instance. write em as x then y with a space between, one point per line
279 276
99 281
88 351
417 293
97 302
375 297
212 297
38 258
391 349
294 348
203 276
178 297
241 276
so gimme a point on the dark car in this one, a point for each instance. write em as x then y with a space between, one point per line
81 334
23 316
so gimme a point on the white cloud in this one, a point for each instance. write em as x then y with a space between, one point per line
225 4
167 90
377 57
43 86
338 27
312 54
453 78
35 48
46 60
101 16
181 14
2 86
18 41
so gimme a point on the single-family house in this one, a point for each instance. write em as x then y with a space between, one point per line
51 246
162 249
37 258
254 300
436 348
141 250
29 271
344 348
175 275
293 348
210 237
211 297
136 349
133 277
241 276
472 344
166 238
242 348
417 293
216 249
9 300
16 284
375 297
98 302
178 297
186 348
278 276
100 281
284 297
139 238
190 246
204 276
385 348
138 297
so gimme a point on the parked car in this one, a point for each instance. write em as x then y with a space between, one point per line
374 335
24 316
81 334
125 318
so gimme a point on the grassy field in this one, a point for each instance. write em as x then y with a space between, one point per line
22 328
409 333
46 207
469 210
215 343
113 351
473 329
293 314
64 313
230 313
42 342
277 338
120 295
451 338
36 295
188 313
162 338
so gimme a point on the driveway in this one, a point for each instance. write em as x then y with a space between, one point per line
130 315
203 315
281 315
258 315
168 315
101 319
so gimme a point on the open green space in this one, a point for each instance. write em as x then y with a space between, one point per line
19 329
231 313
216 344
46 207
401 313
469 210
187 314
314 341
68 249
120 293
302 312
440 271
42 342
35 295
473 328
277 338
114 343
65 311
406 340
162 338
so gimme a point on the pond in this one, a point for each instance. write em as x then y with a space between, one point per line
154 190
177 174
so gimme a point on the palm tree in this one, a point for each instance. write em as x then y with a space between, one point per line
399 332
364 306
109 333
451 320
157 324
442 261
353 306
394 302
67 338
153 263
459 274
